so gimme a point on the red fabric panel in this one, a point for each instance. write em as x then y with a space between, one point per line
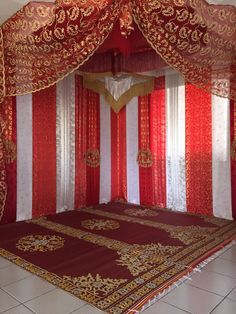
9 106
80 143
44 152
233 162
145 174
158 141
118 155
198 151
93 141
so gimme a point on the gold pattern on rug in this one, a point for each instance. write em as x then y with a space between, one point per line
140 212
185 234
100 224
40 243
140 258
97 285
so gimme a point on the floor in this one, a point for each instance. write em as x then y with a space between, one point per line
213 290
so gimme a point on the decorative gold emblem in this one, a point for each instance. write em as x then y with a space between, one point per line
144 158
126 20
97 285
139 258
140 212
92 157
100 224
40 243
233 150
10 151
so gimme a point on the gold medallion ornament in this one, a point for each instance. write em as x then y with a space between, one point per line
40 243
100 224
92 157
140 212
144 158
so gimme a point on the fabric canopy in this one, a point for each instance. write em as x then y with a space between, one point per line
43 42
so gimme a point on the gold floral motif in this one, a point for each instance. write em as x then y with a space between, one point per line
126 20
140 212
97 285
100 224
10 151
3 184
144 158
40 243
219 222
140 258
92 157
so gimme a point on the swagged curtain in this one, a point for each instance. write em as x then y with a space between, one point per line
44 42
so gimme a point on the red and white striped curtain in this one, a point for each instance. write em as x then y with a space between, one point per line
73 150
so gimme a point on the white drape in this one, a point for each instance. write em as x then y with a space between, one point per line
105 151
132 151
221 157
175 163
24 156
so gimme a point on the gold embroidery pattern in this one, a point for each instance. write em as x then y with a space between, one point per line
124 297
3 185
96 286
144 158
201 47
233 150
219 222
92 157
139 258
2 68
40 243
100 224
10 151
186 234
140 212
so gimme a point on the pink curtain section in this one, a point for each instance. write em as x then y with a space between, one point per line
233 155
8 121
87 146
44 152
198 151
158 141
118 155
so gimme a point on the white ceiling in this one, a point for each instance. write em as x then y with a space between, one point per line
9 7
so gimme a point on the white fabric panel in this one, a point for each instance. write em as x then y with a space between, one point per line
105 151
65 135
175 165
133 195
24 157
221 157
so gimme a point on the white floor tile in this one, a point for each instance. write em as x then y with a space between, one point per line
222 266
55 302
88 309
19 310
230 254
4 262
6 302
193 300
163 308
232 294
28 288
227 307
212 282
12 274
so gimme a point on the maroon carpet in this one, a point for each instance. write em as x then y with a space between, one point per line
115 256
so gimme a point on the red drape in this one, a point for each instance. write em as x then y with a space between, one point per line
158 141
118 155
233 154
198 151
87 146
93 148
80 144
44 152
145 173
8 116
